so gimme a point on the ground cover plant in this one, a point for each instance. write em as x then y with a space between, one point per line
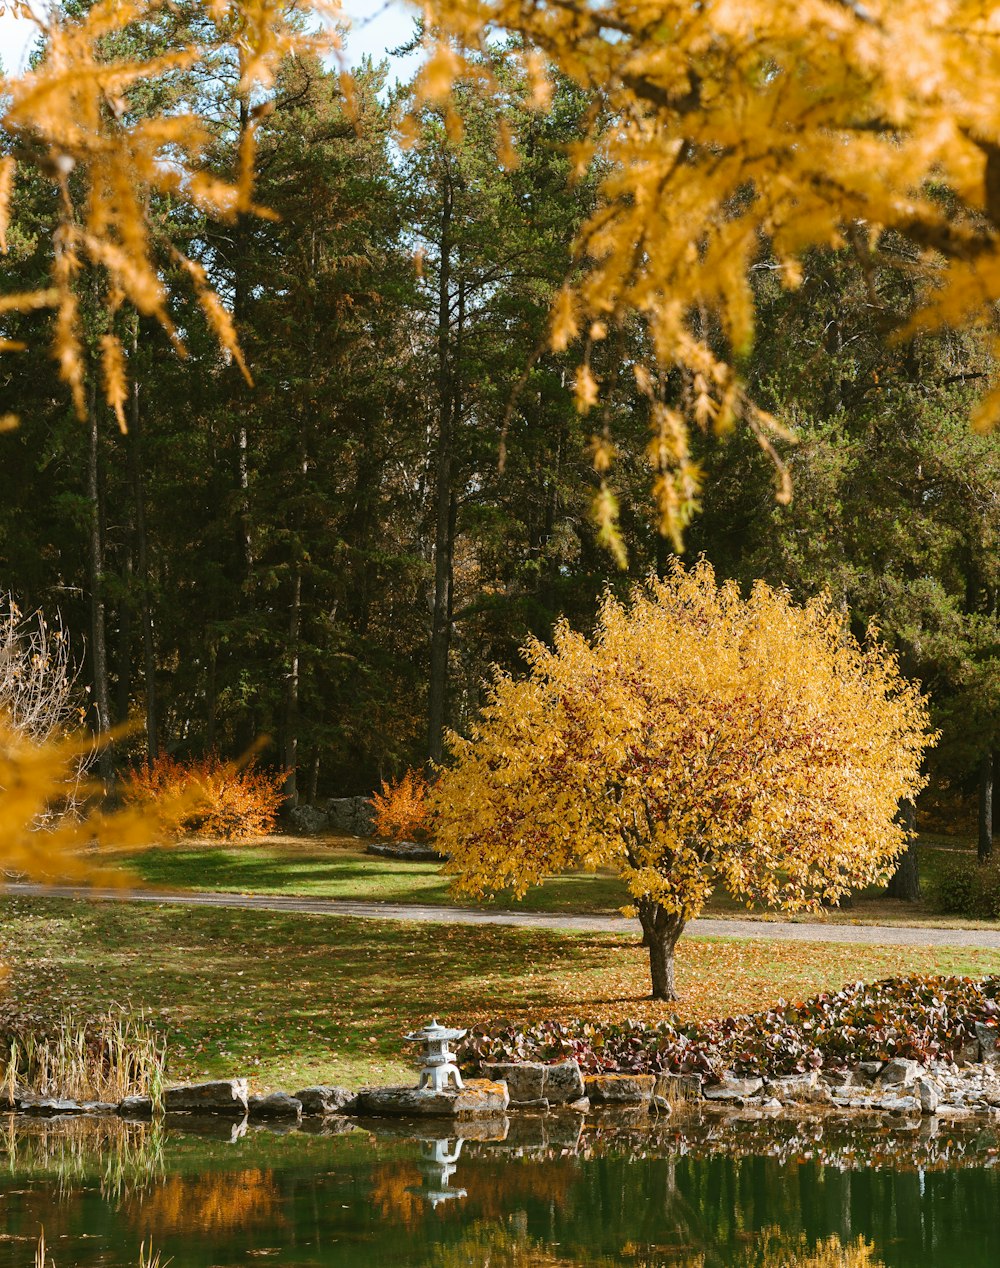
295 999
699 738
914 1017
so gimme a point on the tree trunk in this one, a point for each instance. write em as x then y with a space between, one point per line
292 693
440 625
95 561
905 881
661 929
986 808
142 554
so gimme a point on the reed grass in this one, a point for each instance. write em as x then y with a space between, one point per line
117 1055
148 1258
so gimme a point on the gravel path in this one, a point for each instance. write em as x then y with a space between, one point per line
776 930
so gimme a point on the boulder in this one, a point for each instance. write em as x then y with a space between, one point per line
868 1071
49 1107
987 1037
308 821
325 1100
899 1072
278 1105
930 1097
619 1089
351 814
733 1089
136 1107
563 1083
227 1096
479 1098
798 1089
676 1088
99 1108
968 1054
525 1080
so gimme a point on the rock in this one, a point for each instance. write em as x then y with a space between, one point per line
772 1104
899 1105
733 1089
676 1088
479 1097
49 1107
968 1055
868 1071
99 1108
325 1100
929 1096
540 1104
563 1083
351 814
227 1096
136 1107
798 1089
954 1113
987 1037
662 1106
580 1106
413 851
525 1079
899 1071
619 1089
308 821
278 1105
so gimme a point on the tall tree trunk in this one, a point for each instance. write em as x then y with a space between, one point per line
142 552
440 624
661 930
290 756
986 772
95 561
905 881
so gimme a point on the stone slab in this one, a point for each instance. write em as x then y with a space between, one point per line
478 1099
226 1096
619 1089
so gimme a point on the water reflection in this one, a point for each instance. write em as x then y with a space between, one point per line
617 1190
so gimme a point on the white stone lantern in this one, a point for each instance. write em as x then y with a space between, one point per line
437 1063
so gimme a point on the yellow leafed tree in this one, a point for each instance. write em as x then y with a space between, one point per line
743 133
698 738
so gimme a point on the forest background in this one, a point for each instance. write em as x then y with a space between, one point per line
336 556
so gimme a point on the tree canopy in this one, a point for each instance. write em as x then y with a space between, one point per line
699 738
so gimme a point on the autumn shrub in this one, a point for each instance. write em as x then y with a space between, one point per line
968 888
212 797
402 809
921 1018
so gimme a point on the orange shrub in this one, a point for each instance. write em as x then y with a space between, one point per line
401 808
209 796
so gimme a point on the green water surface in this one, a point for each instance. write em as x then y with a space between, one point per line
552 1191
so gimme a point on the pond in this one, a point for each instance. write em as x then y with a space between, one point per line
552 1190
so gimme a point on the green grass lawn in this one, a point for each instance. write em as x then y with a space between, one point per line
338 867
296 999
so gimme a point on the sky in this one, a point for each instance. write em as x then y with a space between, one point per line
377 25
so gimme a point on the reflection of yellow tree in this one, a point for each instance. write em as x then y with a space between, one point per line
216 1202
509 1245
395 1193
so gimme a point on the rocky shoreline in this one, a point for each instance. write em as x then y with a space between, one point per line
900 1088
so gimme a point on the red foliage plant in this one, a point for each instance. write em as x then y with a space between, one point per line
209 796
402 810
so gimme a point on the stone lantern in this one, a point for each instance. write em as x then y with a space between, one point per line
437 1063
